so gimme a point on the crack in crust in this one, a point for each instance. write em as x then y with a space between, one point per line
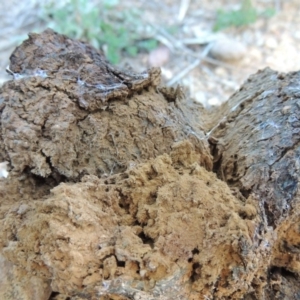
55 58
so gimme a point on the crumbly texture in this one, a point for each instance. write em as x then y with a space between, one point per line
133 200
15 283
136 229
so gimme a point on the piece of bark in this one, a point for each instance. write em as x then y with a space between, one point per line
258 141
256 151
58 121
76 68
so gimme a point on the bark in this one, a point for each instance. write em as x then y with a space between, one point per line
122 189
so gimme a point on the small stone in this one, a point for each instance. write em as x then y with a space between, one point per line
159 56
226 49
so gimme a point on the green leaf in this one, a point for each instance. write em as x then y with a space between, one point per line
246 15
113 55
99 25
132 50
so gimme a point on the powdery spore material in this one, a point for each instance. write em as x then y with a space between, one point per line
155 221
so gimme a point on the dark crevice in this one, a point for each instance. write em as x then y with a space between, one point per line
286 273
138 268
121 263
151 175
153 197
270 216
275 271
146 239
243 215
235 169
245 193
40 182
55 295
195 251
217 166
55 175
196 272
124 202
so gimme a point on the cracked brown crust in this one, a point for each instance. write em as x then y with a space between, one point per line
57 119
92 79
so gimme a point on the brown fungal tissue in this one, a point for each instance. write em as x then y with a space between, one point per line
119 188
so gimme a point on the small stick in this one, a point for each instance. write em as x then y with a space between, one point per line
184 5
191 66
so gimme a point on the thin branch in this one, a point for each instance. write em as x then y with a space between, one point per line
184 6
191 66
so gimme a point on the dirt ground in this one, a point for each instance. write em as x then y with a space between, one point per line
272 42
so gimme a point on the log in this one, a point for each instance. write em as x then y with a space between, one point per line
120 188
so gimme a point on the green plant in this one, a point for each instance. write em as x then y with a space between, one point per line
246 15
102 25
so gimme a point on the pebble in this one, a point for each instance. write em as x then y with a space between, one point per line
159 56
226 49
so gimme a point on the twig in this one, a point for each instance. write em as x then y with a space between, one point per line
200 41
184 5
165 42
166 36
191 66
177 45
